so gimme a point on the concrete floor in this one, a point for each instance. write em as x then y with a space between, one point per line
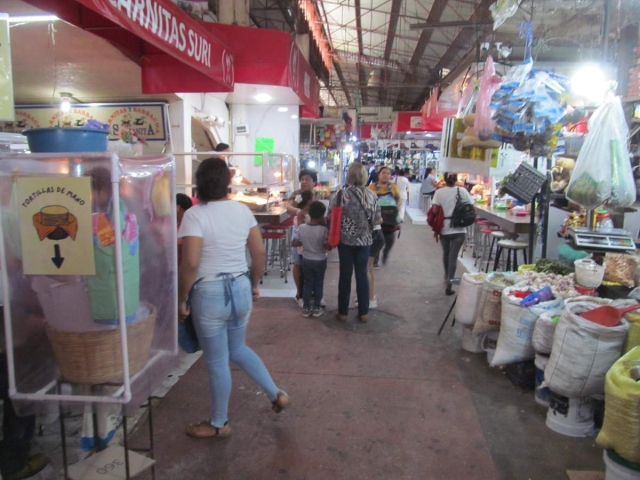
389 399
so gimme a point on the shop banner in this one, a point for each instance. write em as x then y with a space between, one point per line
164 25
146 119
56 226
6 80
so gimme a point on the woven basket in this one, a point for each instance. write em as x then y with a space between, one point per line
96 357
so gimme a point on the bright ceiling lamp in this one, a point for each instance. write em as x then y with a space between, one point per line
263 97
65 104
294 116
590 83
283 109
33 18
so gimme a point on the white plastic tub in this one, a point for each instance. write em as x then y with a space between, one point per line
615 471
570 416
588 273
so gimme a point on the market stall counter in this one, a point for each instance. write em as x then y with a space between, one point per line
504 219
273 215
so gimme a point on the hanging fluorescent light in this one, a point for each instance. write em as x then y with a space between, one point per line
65 104
311 164
263 97
408 133
33 18
283 109
348 148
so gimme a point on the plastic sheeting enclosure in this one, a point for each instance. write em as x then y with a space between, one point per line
89 250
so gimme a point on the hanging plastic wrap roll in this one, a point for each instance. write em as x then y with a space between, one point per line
621 427
582 353
517 325
469 297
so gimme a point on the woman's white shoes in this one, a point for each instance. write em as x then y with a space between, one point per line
372 303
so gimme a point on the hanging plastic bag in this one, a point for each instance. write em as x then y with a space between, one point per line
503 10
489 83
623 187
590 184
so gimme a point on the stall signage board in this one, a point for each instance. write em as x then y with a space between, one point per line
146 119
56 225
166 26
263 145
6 79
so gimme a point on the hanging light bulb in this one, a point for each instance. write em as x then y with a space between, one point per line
65 105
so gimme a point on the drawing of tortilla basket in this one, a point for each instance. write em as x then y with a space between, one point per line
55 222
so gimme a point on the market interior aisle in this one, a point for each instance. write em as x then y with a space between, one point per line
388 399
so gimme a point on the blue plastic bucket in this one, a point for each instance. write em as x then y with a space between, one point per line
56 139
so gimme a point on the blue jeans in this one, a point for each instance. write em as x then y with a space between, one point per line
222 338
350 258
314 271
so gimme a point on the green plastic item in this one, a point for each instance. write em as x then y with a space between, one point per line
568 255
103 293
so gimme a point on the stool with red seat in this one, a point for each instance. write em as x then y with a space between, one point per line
277 240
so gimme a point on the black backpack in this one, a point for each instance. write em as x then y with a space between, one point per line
464 214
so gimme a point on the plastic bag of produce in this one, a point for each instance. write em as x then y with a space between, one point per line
590 184
490 304
620 268
582 353
469 297
544 330
621 427
517 325
623 186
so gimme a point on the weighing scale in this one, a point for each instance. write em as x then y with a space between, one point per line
604 240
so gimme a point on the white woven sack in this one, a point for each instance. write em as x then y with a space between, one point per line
582 353
543 332
541 361
516 327
490 304
469 297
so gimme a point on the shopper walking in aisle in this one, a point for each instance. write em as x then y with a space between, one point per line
451 238
403 182
312 237
308 180
214 269
360 213
389 201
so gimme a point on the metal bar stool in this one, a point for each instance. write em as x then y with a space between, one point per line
512 247
277 238
496 236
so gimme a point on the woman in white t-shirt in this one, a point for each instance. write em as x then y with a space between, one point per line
215 235
451 238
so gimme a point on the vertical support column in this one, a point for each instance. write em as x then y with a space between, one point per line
181 133
234 12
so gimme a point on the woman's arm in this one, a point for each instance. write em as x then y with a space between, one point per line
258 257
191 249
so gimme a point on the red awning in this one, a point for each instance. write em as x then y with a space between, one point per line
271 57
413 122
156 34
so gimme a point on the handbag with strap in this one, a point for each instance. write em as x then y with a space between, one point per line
335 222
187 336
